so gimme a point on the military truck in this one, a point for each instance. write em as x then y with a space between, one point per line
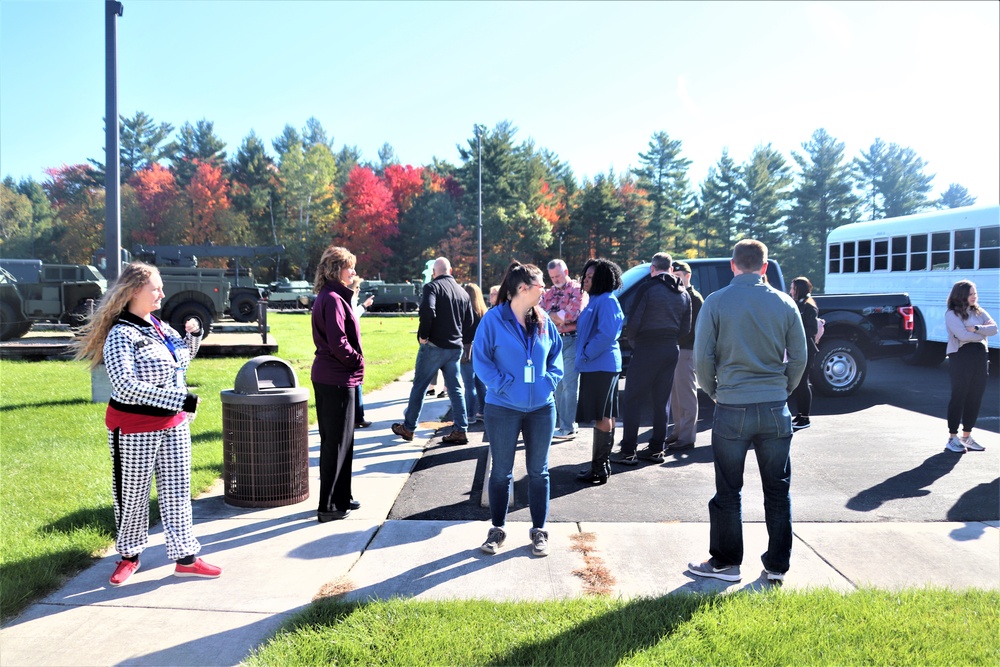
205 294
32 291
391 297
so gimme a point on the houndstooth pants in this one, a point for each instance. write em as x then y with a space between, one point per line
135 458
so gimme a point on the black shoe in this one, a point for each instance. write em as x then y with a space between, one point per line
625 460
678 446
430 392
364 423
590 476
335 515
355 504
651 454
800 423
442 393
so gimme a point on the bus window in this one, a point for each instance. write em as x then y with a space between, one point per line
965 249
881 255
864 256
940 251
918 252
898 253
849 257
834 258
989 248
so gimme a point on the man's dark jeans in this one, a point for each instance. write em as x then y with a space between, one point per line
768 428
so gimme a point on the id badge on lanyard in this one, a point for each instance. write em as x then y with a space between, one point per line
529 373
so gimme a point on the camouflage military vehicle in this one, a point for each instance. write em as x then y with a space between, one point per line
32 291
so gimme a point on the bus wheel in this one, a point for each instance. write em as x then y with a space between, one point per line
839 369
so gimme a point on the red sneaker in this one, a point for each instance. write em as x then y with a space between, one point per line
125 569
198 569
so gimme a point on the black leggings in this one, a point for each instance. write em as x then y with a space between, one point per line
802 394
968 368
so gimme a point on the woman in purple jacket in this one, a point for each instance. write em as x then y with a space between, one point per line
338 368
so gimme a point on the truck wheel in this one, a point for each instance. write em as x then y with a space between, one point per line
243 308
839 369
186 311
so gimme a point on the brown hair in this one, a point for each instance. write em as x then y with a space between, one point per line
958 300
803 290
518 274
90 345
749 255
334 260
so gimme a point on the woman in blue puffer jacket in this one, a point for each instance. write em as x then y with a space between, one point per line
517 353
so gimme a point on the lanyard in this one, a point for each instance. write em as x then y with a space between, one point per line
527 340
166 341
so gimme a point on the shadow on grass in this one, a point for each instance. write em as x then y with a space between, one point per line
609 638
44 404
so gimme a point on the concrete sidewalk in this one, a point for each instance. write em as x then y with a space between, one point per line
277 560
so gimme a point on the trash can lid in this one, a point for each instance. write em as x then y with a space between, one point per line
265 373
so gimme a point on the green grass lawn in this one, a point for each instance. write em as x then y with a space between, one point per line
55 470
772 627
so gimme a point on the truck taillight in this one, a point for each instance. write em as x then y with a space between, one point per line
907 313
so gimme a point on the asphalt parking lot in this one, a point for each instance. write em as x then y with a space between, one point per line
876 456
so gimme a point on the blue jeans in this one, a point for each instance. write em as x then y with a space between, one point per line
502 427
431 359
568 388
475 391
768 427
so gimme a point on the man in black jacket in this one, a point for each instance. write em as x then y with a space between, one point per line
445 328
660 315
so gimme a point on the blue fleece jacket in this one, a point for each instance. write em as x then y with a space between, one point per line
597 333
501 351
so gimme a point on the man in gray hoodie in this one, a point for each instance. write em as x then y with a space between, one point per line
741 338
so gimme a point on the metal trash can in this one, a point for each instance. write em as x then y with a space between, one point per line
265 436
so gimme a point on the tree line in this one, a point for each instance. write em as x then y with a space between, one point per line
307 194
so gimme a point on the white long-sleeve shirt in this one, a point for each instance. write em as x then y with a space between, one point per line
959 335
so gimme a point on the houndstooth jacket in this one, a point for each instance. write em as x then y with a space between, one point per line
142 370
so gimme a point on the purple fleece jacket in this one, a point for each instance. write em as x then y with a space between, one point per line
337 335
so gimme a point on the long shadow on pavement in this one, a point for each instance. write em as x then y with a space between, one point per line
908 484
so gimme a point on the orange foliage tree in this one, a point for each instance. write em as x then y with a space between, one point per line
369 219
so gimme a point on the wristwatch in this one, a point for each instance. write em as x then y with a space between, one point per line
976 328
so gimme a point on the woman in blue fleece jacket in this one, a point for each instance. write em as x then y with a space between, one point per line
599 360
517 353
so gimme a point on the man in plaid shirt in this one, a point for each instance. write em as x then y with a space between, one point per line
563 302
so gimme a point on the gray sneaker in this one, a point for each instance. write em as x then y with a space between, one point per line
731 573
539 542
774 576
955 445
494 540
971 445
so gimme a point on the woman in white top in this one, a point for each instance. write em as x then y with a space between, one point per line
968 327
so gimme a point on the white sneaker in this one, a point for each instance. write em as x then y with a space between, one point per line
955 445
971 444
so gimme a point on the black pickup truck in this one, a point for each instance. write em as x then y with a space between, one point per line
859 327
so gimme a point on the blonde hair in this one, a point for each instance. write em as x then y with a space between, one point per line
334 260
90 345
476 297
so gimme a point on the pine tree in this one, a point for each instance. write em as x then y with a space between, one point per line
894 182
719 212
196 143
955 196
764 197
663 176
824 200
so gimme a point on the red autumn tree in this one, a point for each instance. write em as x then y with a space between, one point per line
369 218
405 183
157 194
209 193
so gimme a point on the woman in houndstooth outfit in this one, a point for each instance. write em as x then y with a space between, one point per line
147 418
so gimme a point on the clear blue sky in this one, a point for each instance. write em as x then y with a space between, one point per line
589 81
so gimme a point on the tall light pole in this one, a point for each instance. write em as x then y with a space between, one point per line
112 167
478 129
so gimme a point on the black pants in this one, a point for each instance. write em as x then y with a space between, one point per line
650 379
335 417
802 395
968 369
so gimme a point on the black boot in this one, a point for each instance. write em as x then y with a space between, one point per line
600 466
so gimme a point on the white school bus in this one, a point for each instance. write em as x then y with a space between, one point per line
922 255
